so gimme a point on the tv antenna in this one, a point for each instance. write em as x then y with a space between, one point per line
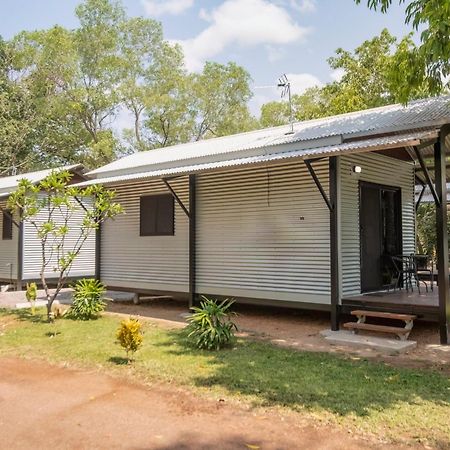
285 86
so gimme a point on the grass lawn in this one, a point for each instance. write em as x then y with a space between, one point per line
391 403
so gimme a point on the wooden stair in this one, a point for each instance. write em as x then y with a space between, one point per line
401 332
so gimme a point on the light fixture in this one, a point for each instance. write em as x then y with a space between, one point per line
356 169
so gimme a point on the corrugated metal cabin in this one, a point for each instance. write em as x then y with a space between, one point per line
306 218
20 252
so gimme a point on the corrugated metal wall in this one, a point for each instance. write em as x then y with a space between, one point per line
84 264
381 170
8 251
146 262
264 233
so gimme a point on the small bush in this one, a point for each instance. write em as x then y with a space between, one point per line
31 295
211 327
87 299
129 335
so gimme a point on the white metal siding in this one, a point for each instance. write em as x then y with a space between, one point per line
264 233
84 264
146 262
8 251
381 170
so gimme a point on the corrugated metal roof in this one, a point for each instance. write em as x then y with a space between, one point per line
431 112
8 184
379 143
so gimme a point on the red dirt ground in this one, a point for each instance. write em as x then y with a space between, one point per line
48 407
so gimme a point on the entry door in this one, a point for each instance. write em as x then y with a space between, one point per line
370 232
380 234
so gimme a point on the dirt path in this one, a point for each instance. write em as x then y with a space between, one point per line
43 406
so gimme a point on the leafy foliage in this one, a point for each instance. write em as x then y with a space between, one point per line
210 326
372 75
429 63
88 301
31 295
60 201
61 92
426 229
129 335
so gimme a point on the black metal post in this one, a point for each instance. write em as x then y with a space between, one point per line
192 246
20 249
98 252
334 243
442 235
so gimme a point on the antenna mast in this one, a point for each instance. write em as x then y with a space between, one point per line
285 86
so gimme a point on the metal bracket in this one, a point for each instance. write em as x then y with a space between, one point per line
427 175
175 196
419 200
318 184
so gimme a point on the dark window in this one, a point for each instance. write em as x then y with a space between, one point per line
7 226
157 215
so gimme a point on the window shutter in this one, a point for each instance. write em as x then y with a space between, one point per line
157 215
148 216
7 226
165 219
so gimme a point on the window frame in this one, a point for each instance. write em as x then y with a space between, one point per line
8 235
155 197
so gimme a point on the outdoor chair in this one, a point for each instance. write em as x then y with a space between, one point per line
424 267
404 268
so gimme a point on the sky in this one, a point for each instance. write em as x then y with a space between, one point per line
266 37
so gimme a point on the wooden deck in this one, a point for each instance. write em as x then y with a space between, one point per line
424 305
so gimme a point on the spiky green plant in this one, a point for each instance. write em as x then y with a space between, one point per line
210 326
87 299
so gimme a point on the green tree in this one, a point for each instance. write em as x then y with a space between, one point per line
60 202
221 93
426 229
46 63
429 63
72 84
372 76
18 117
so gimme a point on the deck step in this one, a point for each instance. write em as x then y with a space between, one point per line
383 315
374 327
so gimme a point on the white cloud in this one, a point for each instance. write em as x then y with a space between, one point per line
247 23
304 6
274 54
161 7
337 74
302 81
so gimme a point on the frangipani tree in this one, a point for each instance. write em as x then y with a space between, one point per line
50 207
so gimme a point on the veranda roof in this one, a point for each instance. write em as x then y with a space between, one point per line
10 183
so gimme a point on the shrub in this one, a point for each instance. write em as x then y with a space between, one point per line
87 299
210 326
31 295
129 335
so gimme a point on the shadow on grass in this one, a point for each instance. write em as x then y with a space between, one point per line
299 379
40 315
119 360
52 334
